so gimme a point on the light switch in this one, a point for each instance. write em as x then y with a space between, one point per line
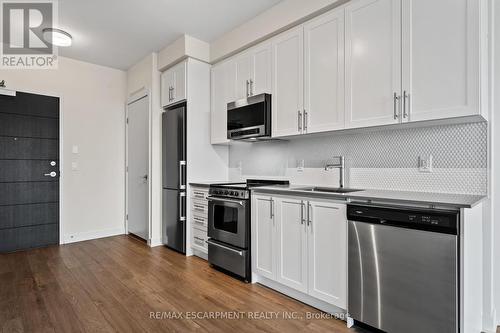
74 166
75 149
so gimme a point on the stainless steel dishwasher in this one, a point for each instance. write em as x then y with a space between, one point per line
403 269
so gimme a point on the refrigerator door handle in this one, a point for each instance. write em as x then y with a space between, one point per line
182 195
182 167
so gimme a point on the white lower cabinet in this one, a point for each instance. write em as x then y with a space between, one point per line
291 243
327 249
301 243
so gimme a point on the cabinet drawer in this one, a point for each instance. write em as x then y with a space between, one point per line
199 208
199 193
199 239
200 222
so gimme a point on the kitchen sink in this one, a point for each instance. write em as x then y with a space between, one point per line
329 189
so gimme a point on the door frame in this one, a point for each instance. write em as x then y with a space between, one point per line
134 97
61 159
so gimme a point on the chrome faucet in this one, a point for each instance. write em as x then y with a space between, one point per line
341 166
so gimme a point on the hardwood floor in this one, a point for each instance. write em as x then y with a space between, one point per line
118 284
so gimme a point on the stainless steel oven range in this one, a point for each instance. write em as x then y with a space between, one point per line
229 226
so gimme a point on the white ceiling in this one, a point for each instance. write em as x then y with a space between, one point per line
118 33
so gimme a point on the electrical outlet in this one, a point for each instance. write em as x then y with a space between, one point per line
301 165
425 163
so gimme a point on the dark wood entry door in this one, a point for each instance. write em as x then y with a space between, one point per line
29 153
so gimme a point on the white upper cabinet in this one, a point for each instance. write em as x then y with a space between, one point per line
262 69
288 83
373 62
253 71
324 73
291 243
244 69
441 58
327 242
223 91
173 84
263 227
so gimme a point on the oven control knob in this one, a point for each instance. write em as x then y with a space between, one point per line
226 192
236 194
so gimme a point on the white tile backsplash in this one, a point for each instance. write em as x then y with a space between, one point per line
385 159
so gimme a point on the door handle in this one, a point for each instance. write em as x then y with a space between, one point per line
305 120
299 121
52 174
406 96
309 217
251 87
247 84
240 253
396 99
182 164
181 196
301 212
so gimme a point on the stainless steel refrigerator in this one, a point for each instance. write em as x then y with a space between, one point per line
174 177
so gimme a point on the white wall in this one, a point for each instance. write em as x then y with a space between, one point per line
495 158
92 114
145 75
278 18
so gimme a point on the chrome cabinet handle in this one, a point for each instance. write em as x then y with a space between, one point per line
301 212
305 120
51 174
299 121
396 99
248 90
271 208
170 94
224 247
198 207
181 196
309 214
406 96
251 87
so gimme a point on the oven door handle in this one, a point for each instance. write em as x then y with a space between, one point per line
239 202
209 241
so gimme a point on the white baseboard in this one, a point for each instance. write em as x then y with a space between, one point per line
155 242
200 254
83 236
304 298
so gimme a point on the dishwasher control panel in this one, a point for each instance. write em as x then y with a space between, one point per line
440 221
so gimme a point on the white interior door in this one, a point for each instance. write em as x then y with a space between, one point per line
138 168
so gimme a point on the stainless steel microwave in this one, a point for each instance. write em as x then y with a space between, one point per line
249 118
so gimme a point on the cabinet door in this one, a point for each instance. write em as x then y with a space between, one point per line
167 83
441 53
223 91
324 73
373 62
288 81
291 243
263 224
262 70
243 74
180 73
327 242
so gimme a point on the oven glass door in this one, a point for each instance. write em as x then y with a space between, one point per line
228 221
